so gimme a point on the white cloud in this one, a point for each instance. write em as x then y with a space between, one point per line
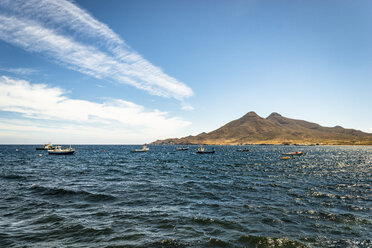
49 111
19 71
187 107
42 26
65 14
16 131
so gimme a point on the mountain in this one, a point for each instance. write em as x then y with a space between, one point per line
275 129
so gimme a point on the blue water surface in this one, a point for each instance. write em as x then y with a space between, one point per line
108 196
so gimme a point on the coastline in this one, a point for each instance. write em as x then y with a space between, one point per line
284 143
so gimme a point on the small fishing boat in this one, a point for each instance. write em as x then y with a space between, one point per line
182 148
48 146
293 153
202 150
143 149
243 150
59 151
285 158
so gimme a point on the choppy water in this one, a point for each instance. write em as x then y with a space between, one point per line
169 198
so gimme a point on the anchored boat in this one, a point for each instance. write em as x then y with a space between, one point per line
182 148
143 149
59 151
293 153
202 150
48 146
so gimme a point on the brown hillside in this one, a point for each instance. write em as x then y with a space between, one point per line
275 129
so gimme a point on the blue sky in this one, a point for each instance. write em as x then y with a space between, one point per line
131 72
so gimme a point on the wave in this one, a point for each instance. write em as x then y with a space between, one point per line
78 232
61 192
258 241
318 194
360 243
13 177
342 218
164 243
5 240
322 195
225 224
47 219
213 242
345 218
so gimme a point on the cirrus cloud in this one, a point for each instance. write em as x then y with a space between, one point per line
19 71
70 36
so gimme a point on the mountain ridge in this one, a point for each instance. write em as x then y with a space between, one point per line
274 129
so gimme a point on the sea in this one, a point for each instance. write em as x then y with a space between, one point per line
108 196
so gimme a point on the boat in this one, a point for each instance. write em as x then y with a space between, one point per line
48 146
293 153
202 150
182 148
143 149
59 151
243 150
285 158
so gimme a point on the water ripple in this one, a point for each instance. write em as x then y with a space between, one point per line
106 196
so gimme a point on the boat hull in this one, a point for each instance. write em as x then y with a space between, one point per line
45 148
293 154
182 149
242 150
201 152
61 152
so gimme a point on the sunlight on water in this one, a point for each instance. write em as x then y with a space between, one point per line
107 196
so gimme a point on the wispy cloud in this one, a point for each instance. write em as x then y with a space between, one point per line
187 107
116 118
71 36
19 71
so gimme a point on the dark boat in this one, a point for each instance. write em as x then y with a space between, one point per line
293 153
243 150
182 148
45 147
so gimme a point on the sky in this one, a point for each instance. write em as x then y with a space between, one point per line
134 71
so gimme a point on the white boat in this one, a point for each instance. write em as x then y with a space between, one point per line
59 151
202 150
182 148
143 149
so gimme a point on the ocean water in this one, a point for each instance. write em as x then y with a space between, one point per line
106 196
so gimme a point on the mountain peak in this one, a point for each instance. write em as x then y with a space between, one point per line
251 114
273 115
275 129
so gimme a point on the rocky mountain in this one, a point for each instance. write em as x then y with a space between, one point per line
275 129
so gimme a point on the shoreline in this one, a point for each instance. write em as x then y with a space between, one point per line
191 144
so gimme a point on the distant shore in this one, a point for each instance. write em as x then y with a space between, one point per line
267 144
